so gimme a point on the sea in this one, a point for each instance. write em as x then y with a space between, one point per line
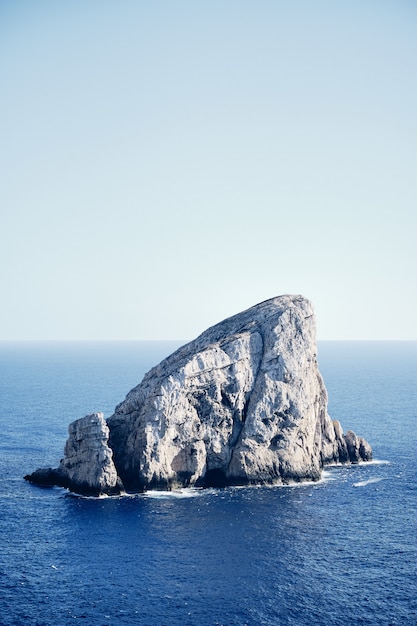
340 551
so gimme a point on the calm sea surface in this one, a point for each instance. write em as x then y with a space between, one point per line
343 551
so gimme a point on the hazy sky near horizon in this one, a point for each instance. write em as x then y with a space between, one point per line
167 164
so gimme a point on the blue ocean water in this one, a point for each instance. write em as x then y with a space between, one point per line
342 551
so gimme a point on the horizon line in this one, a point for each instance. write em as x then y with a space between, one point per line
79 340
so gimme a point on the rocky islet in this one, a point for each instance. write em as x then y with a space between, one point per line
244 403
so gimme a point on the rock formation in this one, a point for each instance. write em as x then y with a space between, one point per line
244 403
87 466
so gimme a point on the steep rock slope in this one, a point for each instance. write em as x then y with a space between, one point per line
244 403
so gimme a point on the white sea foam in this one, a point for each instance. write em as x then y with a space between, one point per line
189 492
327 476
377 462
102 496
373 462
305 483
363 483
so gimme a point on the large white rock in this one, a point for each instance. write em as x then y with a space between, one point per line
244 403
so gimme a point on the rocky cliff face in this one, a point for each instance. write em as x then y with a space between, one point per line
87 466
88 460
244 403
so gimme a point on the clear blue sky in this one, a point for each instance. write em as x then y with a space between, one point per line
167 164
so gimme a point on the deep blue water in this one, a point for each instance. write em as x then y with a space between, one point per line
343 551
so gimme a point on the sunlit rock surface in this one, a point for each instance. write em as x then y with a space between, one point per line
244 403
87 467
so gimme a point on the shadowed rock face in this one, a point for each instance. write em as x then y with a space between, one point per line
244 403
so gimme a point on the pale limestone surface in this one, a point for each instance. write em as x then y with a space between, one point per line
88 460
244 403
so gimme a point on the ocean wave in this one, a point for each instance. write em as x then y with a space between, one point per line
363 483
188 492
377 462
327 475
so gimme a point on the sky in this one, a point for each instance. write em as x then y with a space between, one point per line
167 164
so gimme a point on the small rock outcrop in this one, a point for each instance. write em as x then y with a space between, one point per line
87 467
244 403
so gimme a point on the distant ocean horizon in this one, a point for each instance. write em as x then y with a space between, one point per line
343 550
